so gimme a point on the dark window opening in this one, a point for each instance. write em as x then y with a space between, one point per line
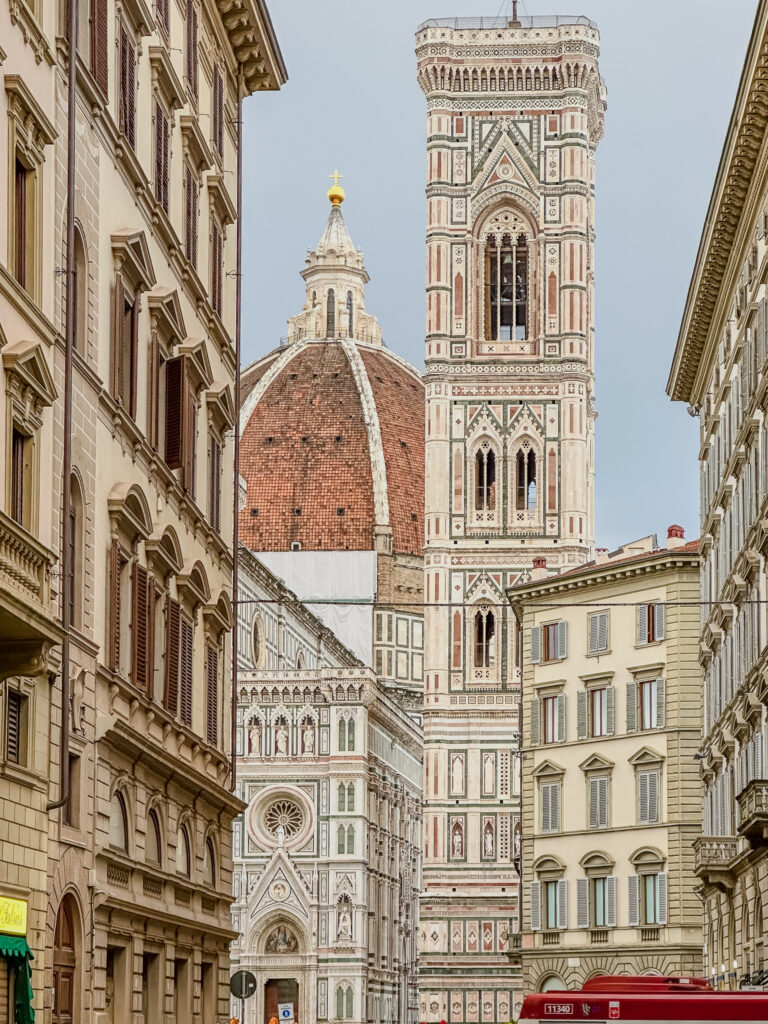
330 315
525 472
485 628
485 479
506 288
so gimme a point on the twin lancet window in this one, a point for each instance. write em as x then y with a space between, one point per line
525 478
506 288
485 629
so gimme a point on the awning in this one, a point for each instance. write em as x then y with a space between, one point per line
16 949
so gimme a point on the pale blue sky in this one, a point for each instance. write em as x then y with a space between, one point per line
352 102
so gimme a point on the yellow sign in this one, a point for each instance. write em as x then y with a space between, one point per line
13 916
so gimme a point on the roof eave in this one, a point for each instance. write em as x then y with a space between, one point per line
254 44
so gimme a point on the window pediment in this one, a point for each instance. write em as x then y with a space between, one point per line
167 318
220 198
36 129
195 147
218 617
221 405
548 770
549 866
132 259
164 552
139 15
30 378
597 862
129 508
192 584
198 362
597 763
165 79
646 758
648 859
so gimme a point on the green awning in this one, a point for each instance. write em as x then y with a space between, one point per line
16 949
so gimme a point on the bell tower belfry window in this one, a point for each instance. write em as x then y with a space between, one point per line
506 288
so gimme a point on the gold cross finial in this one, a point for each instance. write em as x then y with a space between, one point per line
336 192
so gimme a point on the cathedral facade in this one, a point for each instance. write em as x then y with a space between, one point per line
514 116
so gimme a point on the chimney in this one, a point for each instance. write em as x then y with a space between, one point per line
675 537
601 555
539 568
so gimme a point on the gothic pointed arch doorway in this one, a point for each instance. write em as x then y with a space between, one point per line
66 966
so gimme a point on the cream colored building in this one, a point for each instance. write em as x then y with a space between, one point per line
136 924
719 371
611 793
514 117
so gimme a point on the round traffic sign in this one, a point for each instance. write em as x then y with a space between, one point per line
242 984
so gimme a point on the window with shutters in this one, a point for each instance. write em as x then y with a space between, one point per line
163 12
191 210
143 594
217 266
651 693
598 633
180 414
549 719
186 669
651 896
16 727
551 916
22 455
125 347
214 480
172 655
650 623
217 112
549 642
598 801
127 85
598 710
162 155
599 902
191 60
648 797
212 694
549 797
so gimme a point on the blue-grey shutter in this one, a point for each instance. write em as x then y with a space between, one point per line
758 756
661 689
653 796
581 714
642 624
602 631
562 903
594 803
582 903
631 707
609 709
642 797
535 722
535 906
535 645
594 644
546 807
602 802
634 901
555 806
661 894
562 639
610 901
659 612
560 735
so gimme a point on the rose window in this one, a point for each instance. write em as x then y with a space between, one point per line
286 814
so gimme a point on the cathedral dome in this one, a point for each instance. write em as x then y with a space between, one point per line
332 424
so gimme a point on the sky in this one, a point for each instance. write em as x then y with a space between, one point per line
352 103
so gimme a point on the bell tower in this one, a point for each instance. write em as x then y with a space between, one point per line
514 115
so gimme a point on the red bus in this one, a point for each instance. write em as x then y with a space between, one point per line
645 999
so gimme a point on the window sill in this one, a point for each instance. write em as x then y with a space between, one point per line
23 775
599 654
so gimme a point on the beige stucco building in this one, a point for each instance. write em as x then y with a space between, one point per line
514 116
130 919
719 371
611 794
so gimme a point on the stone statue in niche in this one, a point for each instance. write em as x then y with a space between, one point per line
281 940
344 928
281 738
516 840
254 738
308 737
76 701
457 841
280 836
488 840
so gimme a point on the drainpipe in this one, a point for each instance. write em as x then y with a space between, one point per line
236 453
66 472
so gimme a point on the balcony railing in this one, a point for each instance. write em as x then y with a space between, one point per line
25 565
550 938
712 859
753 812
600 937
650 934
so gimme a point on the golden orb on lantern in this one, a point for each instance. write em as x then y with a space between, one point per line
336 192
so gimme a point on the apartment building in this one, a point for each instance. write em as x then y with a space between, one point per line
610 788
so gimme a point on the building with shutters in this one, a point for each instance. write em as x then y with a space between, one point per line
327 853
719 370
129 917
514 117
611 794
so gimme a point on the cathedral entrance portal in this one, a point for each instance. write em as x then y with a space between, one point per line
279 992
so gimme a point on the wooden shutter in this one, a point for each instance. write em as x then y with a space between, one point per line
192 47
562 903
214 489
175 377
562 639
560 736
100 63
186 669
582 714
189 437
582 903
161 157
610 901
659 621
139 622
642 624
218 111
535 722
632 707
172 641
13 726
661 689
634 901
610 715
535 906
535 645
661 897
216 268
113 639
153 391
212 694
117 336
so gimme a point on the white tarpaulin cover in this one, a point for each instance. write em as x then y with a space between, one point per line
333 575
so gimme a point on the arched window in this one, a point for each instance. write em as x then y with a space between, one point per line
485 628
350 839
485 478
340 1003
299 661
342 734
118 823
525 478
349 1007
351 797
340 840
152 842
74 585
506 288
342 797
351 734
330 314
350 315
183 854
209 863
80 310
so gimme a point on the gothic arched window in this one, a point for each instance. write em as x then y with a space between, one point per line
351 734
485 629
525 478
342 796
506 288
330 314
350 839
342 734
340 839
485 478
350 324
351 797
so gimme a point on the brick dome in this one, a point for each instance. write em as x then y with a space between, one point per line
332 449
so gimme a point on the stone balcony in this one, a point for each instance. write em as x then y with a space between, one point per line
27 626
752 818
712 858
